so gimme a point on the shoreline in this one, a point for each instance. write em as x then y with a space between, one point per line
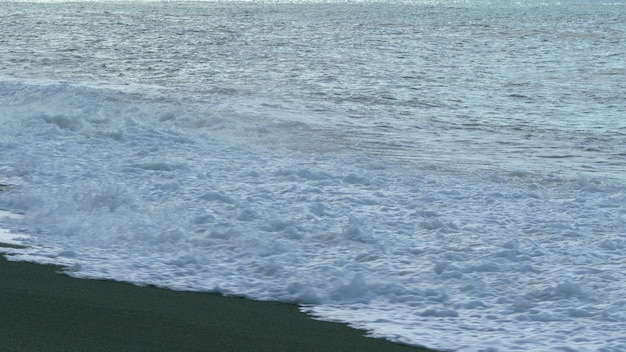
45 310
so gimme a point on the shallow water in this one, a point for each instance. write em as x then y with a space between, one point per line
441 174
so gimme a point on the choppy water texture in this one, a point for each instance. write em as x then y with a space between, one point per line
447 174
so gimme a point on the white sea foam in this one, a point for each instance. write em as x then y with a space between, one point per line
113 190
8 237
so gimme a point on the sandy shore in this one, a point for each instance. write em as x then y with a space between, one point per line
45 311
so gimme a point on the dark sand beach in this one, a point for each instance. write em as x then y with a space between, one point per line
43 310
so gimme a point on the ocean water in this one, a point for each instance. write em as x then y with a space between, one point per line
449 174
